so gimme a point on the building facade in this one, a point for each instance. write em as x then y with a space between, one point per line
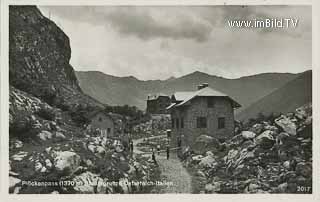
104 123
203 112
157 104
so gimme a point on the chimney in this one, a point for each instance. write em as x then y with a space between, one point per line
203 85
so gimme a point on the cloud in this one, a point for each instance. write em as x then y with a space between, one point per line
159 42
146 23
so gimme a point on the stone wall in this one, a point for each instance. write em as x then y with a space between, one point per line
198 108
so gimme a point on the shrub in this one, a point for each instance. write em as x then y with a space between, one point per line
46 113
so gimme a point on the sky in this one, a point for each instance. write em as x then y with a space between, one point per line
159 42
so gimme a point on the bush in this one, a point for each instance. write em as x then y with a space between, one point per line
22 126
46 113
80 115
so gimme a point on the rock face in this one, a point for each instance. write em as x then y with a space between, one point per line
39 58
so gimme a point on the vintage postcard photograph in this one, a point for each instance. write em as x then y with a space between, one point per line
169 99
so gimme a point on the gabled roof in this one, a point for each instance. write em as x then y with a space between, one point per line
114 117
180 96
205 92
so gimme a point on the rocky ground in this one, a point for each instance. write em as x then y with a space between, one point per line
47 147
267 157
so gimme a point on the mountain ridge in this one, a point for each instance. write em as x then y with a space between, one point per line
115 90
287 98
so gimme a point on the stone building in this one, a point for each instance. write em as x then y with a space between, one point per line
157 104
202 112
109 124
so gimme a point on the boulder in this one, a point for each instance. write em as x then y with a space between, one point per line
17 144
304 169
213 187
45 135
208 162
286 164
66 161
92 148
287 125
38 166
282 188
48 164
60 136
257 128
19 156
248 135
89 183
196 159
13 182
265 140
205 143
100 150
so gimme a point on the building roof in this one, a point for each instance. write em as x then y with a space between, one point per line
180 96
204 92
156 96
114 117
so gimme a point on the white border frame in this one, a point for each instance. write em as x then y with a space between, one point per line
4 165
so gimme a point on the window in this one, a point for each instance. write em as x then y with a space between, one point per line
100 119
221 122
109 130
201 122
210 102
172 123
182 123
177 123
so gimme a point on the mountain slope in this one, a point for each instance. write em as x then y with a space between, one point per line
129 90
39 57
295 93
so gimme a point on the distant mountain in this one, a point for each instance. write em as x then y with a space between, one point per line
295 93
114 90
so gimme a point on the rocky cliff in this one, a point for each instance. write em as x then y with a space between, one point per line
39 58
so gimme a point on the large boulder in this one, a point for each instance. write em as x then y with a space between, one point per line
208 162
248 135
205 143
66 161
265 140
89 183
287 125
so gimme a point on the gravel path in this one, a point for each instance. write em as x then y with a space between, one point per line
175 176
172 171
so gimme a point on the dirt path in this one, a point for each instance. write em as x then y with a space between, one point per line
172 173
